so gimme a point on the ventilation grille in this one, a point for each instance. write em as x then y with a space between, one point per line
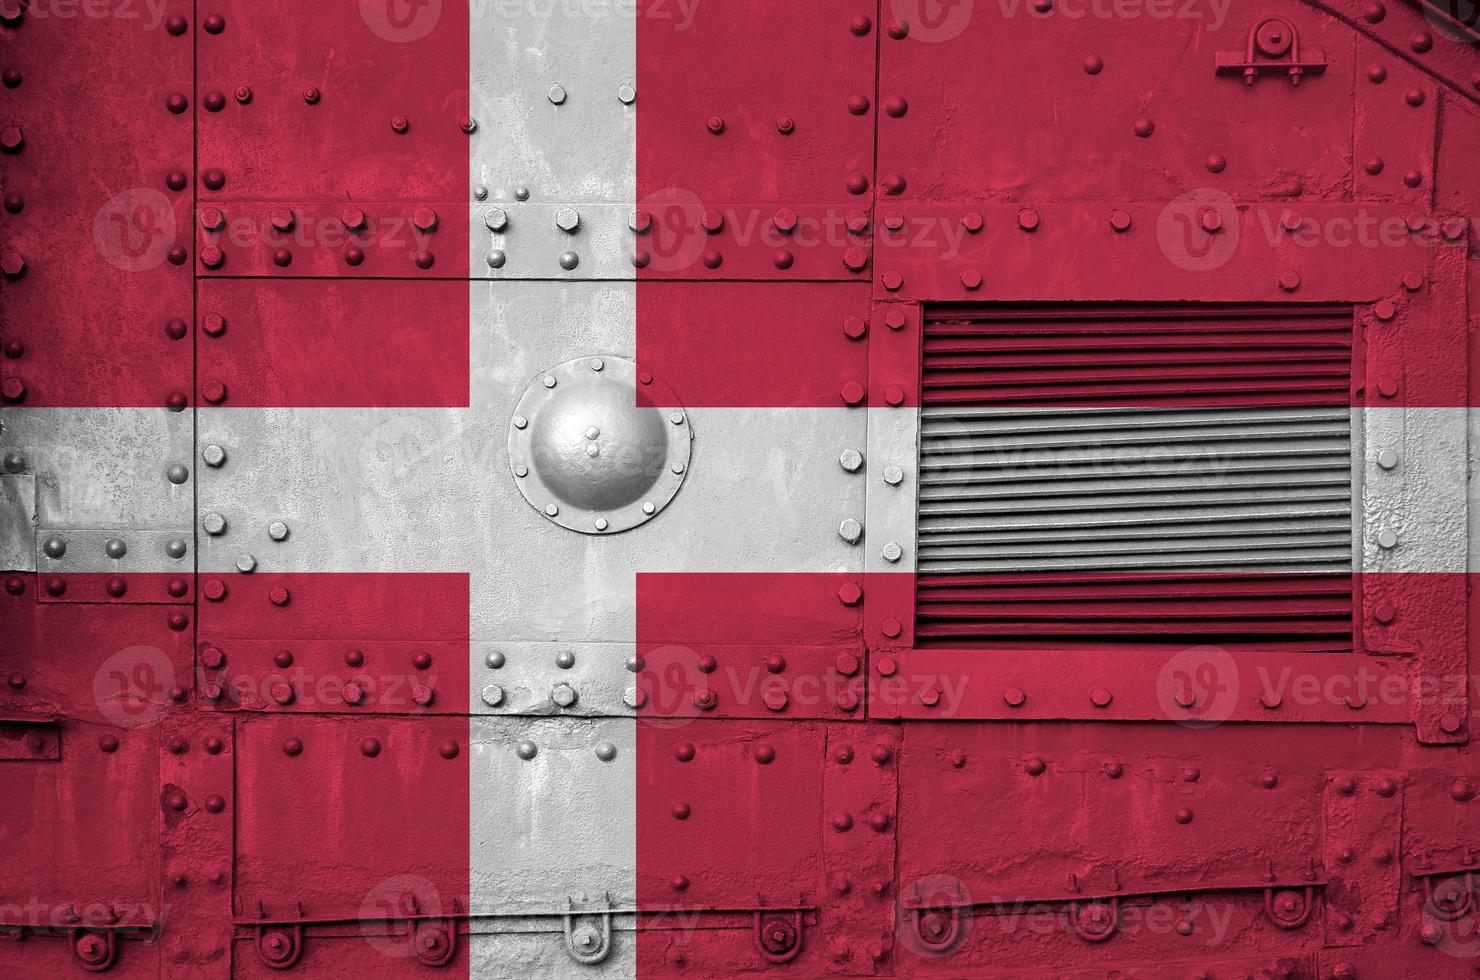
1152 475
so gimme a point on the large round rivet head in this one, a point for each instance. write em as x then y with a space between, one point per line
594 451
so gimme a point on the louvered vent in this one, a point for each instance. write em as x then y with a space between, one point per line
1164 474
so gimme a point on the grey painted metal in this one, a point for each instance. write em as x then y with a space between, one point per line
591 450
521 678
114 550
579 149
893 440
1423 500
104 467
522 240
552 824
17 522
1147 489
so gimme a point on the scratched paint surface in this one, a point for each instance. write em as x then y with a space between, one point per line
705 489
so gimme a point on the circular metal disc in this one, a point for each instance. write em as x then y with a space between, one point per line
595 450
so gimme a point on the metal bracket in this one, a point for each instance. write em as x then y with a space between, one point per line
279 946
1273 47
588 942
778 935
1289 908
1095 921
95 949
1448 896
434 941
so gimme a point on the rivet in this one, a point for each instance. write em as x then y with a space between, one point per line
1421 41
1027 219
785 125
715 125
1412 178
1093 65
569 260
1216 163
1035 766
448 749
1120 220
521 193
1014 697
370 747
859 25
1387 539
898 30
606 751
681 811
1387 459
1183 815
1144 127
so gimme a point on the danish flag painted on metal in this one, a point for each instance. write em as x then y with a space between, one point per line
693 488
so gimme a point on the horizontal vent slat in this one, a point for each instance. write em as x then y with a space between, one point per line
1161 474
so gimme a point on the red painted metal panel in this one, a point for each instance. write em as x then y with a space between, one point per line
316 642
336 344
97 241
722 346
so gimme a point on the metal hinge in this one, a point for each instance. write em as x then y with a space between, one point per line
1273 47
